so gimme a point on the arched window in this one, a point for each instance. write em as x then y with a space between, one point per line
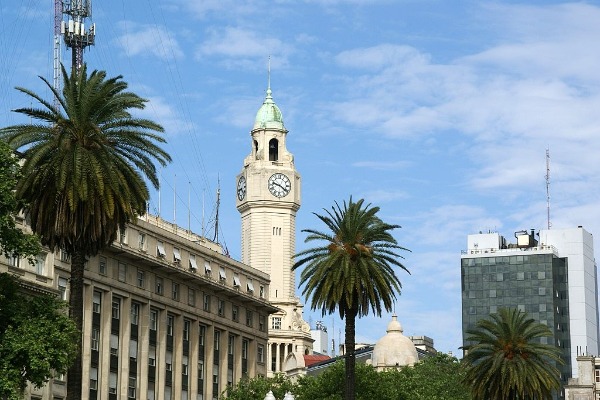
255 147
273 150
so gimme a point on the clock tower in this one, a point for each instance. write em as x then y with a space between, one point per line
268 197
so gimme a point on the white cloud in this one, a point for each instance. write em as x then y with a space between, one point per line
244 48
147 40
160 111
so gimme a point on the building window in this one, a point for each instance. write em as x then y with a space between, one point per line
597 375
169 360
184 365
492 292
276 323
93 378
158 285
273 150
221 307
175 291
176 255
249 286
14 261
520 276
40 264
142 241
207 268
133 350
62 289
201 335
235 312
123 235
493 309
217 340
201 369
131 387
135 313
261 322
112 383
244 349
153 319
186 329
95 338
249 318
102 266
170 323
64 256
541 274
114 344
230 345
96 301
193 265
499 277
122 272
260 354
236 281
160 249
222 274
152 356
206 305
542 291
141 279
542 307
191 297
261 291
116 308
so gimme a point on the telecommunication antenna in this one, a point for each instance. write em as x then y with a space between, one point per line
216 235
76 37
57 73
548 186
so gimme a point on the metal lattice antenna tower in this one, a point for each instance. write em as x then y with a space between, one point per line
75 36
548 186
57 73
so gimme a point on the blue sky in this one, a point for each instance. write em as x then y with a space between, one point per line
438 112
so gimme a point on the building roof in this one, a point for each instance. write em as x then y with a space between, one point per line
269 115
310 359
394 349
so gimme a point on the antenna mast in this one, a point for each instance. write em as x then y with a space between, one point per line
548 185
58 11
75 35
216 236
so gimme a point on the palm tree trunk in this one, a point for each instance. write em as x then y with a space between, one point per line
350 361
75 372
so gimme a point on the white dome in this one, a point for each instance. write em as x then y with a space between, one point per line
394 349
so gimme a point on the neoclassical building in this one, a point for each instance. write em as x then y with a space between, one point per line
167 315
268 197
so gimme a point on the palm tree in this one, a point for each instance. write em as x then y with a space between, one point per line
83 172
507 361
351 269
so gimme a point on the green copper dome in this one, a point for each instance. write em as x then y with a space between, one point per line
269 115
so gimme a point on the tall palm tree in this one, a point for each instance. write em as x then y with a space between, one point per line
351 269
507 361
83 172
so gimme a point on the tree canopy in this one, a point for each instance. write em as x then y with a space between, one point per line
37 338
84 171
507 361
351 269
13 241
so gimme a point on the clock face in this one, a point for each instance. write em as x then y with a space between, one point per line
241 188
279 185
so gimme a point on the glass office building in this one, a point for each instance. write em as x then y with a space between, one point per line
550 275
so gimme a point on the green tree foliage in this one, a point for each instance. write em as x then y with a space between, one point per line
84 169
507 360
13 241
438 377
257 388
351 270
330 385
37 338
